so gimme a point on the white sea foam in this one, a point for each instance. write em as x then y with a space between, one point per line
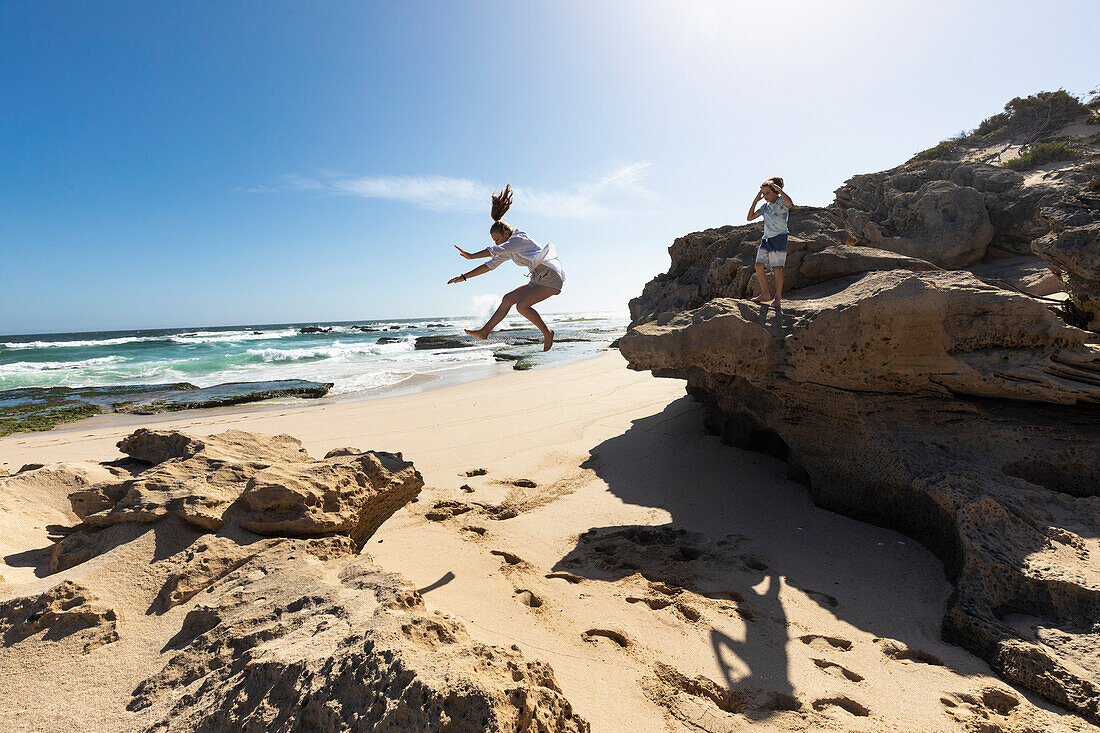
198 337
15 345
29 367
213 337
335 350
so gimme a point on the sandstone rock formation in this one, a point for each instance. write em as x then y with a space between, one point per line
267 485
950 404
298 641
253 589
65 609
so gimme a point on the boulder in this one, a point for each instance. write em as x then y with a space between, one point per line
941 222
351 495
445 342
157 446
265 484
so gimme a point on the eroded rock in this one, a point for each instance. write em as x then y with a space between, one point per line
292 641
66 609
946 404
347 494
265 484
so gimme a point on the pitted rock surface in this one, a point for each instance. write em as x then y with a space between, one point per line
292 641
950 404
266 484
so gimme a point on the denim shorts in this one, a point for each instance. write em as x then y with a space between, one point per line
773 250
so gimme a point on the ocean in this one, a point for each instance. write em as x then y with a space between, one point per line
360 358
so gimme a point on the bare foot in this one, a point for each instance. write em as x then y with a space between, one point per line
762 299
547 340
477 333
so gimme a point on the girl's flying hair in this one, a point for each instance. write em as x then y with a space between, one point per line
502 202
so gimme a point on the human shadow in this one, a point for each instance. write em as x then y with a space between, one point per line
732 539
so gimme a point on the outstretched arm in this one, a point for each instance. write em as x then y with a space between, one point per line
479 270
753 213
473 255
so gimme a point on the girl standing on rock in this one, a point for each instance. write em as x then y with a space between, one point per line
773 247
509 243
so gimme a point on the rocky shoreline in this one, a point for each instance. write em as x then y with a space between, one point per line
43 408
918 376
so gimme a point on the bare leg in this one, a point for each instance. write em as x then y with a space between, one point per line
506 304
537 294
765 294
778 285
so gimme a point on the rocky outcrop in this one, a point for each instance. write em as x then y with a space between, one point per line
445 342
950 404
1072 249
42 408
265 484
265 614
938 221
297 640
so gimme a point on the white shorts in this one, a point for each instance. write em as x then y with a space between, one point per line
775 258
773 252
543 275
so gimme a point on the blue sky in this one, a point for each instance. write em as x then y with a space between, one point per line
197 163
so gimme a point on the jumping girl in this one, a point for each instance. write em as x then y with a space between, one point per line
509 243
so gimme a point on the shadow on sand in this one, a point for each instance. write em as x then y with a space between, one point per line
741 537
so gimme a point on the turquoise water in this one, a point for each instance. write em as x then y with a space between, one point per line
346 355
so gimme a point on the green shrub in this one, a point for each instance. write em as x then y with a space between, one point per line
1040 153
1043 112
944 149
993 124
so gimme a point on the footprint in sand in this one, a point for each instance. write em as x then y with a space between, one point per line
846 704
568 577
964 705
837 670
476 472
754 563
446 509
480 531
901 652
528 598
508 557
824 643
618 638
655 603
820 597
700 687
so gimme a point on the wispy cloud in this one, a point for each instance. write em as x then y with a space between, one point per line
621 190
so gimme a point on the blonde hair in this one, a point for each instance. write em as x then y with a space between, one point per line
501 203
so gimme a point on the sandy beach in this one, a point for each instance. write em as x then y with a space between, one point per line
653 568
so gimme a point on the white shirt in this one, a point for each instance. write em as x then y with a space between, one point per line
525 252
